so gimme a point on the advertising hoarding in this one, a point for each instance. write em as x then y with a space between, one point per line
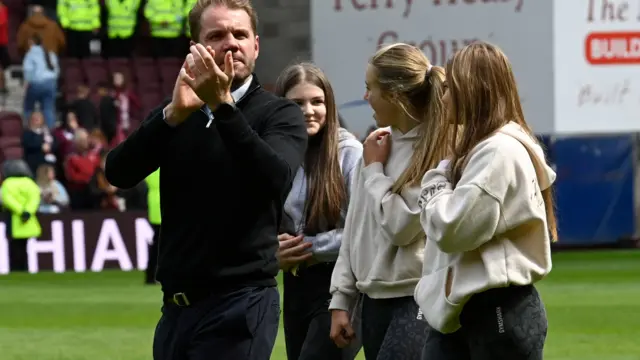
575 60
79 242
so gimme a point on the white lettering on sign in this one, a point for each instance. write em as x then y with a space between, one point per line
55 247
144 237
4 250
79 252
110 246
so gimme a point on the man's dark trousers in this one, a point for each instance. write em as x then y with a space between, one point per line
237 325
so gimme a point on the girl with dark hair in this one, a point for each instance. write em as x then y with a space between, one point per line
314 216
41 71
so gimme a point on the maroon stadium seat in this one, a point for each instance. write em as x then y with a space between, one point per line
13 153
169 69
72 75
17 13
11 124
146 72
11 141
95 71
150 100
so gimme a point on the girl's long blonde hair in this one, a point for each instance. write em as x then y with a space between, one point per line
409 81
484 97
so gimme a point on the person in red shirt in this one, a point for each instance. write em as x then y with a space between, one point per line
79 168
5 60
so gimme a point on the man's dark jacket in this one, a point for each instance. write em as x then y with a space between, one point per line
222 187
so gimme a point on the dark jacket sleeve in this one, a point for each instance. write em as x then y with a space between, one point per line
31 142
141 153
274 156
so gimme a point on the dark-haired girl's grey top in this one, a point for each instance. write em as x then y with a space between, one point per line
326 245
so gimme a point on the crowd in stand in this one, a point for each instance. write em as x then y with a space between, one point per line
65 140
111 28
70 159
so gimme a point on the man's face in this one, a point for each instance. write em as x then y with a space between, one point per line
226 30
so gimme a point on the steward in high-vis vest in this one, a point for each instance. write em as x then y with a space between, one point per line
166 21
155 219
80 20
121 25
188 5
20 197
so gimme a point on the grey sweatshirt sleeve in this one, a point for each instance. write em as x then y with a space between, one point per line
326 245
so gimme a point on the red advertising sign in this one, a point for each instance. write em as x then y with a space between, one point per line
613 48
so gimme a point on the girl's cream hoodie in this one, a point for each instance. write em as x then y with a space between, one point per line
488 232
382 241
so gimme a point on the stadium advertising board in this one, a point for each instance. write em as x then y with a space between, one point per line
597 65
577 62
85 242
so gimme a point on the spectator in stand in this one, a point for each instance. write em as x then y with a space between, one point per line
38 143
97 143
5 60
108 111
54 196
21 198
85 110
64 135
41 71
48 6
39 24
127 102
80 20
79 169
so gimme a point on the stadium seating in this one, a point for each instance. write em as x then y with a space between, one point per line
95 71
17 13
72 76
123 66
169 69
151 79
10 136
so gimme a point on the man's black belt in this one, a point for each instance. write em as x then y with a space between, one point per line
187 298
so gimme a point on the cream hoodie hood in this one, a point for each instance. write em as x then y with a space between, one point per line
488 232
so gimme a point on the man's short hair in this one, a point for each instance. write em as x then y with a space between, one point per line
195 15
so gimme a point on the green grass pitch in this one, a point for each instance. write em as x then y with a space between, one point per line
592 299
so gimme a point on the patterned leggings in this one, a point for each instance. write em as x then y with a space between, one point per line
499 324
392 329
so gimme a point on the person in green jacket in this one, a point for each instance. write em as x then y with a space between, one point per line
20 198
155 218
